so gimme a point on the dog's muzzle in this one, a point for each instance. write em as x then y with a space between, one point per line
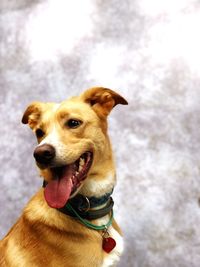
44 154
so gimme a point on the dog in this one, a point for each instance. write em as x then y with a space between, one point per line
69 222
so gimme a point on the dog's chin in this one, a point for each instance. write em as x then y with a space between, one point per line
66 180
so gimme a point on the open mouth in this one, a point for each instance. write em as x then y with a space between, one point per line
67 180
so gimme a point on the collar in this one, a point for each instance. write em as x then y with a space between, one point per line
87 207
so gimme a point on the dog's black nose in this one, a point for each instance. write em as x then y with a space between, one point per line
44 154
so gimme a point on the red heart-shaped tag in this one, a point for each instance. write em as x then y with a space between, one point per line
108 244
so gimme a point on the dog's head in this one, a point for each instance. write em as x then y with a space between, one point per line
72 142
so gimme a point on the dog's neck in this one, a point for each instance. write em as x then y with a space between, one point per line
98 186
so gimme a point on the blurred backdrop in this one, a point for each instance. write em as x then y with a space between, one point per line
148 51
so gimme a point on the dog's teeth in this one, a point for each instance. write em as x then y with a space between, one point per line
77 173
81 162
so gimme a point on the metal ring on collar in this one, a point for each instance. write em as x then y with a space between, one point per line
87 203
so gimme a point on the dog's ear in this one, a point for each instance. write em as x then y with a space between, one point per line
32 114
102 100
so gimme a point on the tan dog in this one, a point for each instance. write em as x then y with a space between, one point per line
64 223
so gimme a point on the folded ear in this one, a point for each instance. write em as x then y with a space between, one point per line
102 100
32 114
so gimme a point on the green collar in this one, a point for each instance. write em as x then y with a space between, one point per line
72 209
89 224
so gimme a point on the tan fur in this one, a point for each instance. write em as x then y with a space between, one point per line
44 236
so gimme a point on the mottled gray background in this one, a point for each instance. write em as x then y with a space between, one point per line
149 51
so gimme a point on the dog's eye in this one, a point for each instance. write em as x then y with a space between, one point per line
39 133
72 123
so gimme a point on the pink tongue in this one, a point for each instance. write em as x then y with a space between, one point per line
57 192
